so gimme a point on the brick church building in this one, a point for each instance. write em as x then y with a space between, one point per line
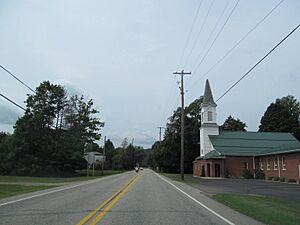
227 153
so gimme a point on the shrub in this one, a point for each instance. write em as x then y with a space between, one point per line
282 179
226 173
276 178
270 178
202 172
291 180
259 174
247 174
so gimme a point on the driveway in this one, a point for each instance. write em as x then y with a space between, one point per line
240 186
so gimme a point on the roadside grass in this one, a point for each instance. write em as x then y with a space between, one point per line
8 190
268 210
82 177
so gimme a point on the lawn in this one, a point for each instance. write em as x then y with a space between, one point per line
268 210
82 177
8 190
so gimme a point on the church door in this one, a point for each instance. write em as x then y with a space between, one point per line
208 169
217 170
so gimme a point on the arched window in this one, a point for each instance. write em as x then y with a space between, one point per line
209 116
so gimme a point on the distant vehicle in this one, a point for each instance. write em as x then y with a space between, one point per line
136 169
141 168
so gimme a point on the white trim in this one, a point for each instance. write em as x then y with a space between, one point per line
195 200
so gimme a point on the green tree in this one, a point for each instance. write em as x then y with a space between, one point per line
282 116
54 132
232 124
166 154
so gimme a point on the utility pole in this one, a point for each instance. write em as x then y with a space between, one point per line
160 132
103 156
182 74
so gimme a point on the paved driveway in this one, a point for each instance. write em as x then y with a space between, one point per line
254 187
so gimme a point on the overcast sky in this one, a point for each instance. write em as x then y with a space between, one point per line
122 54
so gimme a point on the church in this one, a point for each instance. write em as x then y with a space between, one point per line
228 153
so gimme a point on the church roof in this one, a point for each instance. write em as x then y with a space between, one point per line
208 98
240 143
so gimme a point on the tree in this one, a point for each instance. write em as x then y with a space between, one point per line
232 124
282 116
166 154
54 132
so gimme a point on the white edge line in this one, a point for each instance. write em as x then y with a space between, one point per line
54 191
195 200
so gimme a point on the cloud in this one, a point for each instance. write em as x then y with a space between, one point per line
8 116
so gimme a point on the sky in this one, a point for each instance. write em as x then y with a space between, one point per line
122 54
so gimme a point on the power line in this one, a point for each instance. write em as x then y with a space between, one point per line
18 79
237 43
198 34
265 56
213 30
190 33
217 36
11 101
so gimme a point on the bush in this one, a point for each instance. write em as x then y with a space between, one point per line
226 175
276 178
282 179
247 174
202 172
270 178
291 180
259 174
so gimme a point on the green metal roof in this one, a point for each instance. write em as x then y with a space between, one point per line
240 143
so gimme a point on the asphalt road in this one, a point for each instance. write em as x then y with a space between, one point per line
141 199
287 191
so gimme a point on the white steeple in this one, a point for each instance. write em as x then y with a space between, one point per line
208 121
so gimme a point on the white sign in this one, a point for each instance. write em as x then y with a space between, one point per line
93 157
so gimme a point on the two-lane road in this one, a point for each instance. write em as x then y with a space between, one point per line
128 198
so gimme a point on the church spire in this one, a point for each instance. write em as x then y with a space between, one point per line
208 98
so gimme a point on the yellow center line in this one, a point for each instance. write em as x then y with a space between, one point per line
112 203
89 216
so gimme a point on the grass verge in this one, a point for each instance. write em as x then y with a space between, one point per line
82 177
8 190
268 210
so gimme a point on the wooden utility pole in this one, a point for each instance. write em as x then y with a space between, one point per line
160 132
182 73
103 156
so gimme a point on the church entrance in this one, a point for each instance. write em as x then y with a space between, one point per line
217 170
208 169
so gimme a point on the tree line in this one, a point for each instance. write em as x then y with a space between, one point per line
281 116
54 133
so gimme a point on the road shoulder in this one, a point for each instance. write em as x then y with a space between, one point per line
226 212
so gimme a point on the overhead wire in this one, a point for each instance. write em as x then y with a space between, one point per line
237 44
18 79
11 101
199 32
190 33
214 28
216 37
264 57
256 64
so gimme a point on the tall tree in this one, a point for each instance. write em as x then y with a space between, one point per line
232 124
166 154
54 132
282 116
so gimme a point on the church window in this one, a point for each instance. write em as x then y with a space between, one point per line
275 164
283 163
268 164
209 116
261 164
